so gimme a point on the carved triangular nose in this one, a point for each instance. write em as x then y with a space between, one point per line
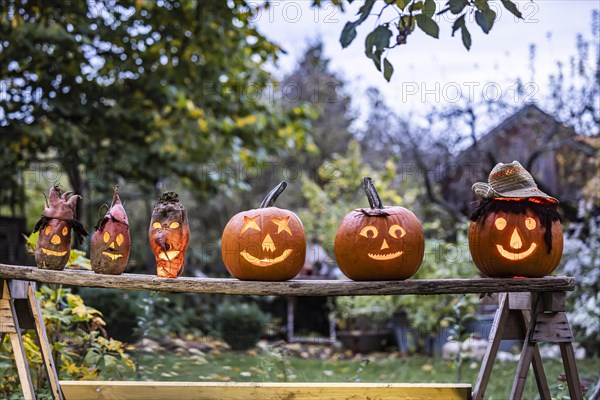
515 240
384 245
55 239
268 244
112 246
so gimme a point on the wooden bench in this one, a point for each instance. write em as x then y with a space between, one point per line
265 391
532 310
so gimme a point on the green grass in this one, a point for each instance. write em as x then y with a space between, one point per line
269 367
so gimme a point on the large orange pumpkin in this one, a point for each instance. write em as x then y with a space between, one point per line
516 237
54 243
110 245
264 244
379 243
169 234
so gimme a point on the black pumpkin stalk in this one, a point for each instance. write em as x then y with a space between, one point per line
58 219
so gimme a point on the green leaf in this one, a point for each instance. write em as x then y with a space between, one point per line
401 3
485 19
458 24
376 42
428 25
365 10
512 7
457 6
482 5
466 37
429 8
416 6
388 69
348 34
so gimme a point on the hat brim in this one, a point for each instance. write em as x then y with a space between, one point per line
485 191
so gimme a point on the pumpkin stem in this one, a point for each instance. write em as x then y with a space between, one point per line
116 198
273 195
372 195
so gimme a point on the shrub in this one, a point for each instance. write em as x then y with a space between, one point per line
241 324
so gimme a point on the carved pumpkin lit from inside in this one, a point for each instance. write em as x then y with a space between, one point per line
110 245
169 235
379 243
53 248
267 243
516 237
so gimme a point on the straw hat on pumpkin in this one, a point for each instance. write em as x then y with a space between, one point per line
509 181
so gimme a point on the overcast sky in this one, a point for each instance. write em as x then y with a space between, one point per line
428 70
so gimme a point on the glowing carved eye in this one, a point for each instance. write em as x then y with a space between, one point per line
174 225
119 239
106 237
47 230
156 225
369 232
530 223
65 230
500 223
282 224
250 223
394 229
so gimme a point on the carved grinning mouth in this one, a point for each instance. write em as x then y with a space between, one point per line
54 253
382 257
516 256
265 262
169 255
112 256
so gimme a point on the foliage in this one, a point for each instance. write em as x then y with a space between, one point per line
162 315
581 260
140 91
240 324
462 314
78 342
395 20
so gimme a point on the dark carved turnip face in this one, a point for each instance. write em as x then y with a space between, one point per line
169 235
268 243
110 244
379 243
54 243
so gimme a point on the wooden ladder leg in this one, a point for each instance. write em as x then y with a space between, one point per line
9 323
490 354
568 357
538 366
522 370
40 329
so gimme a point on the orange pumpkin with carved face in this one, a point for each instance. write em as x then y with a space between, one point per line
266 244
516 237
169 235
110 245
54 243
379 243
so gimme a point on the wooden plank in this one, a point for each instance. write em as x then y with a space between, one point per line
519 301
289 288
556 301
40 329
265 391
489 357
552 328
568 357
16 342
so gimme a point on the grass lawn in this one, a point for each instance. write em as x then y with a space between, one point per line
260 367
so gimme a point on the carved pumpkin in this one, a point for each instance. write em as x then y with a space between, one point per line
379 243
266 244
516 237
169 235
54 243
109 249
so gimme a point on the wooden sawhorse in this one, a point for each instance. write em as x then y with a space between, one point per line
533 318
19 309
